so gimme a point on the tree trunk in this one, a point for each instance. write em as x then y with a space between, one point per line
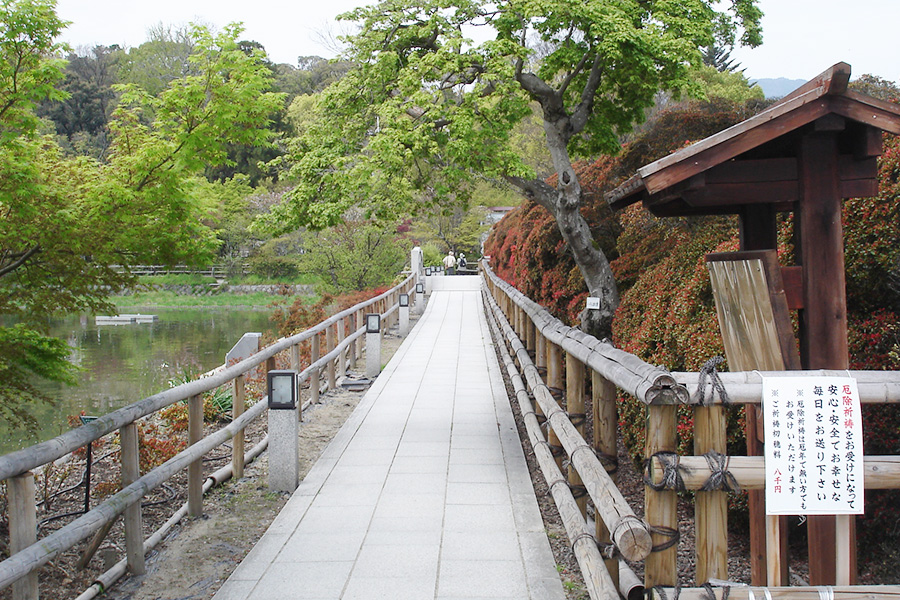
566 208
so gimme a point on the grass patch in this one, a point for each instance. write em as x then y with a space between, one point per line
168 298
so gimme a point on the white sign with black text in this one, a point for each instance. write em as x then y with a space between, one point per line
813 449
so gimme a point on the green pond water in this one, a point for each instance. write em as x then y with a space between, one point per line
126 363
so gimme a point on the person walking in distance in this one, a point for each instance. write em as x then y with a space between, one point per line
449 262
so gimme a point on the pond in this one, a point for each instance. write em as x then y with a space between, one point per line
122 364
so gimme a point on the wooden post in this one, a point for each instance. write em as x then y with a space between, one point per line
22 528
314 374
295 357
711 516
555 380
359 322
131 472
823 320
342 358
603 404
530 335
661 508
238 403
540 350
575 408
195 469
354 325
329 367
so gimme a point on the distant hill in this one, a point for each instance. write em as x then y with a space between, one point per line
776 88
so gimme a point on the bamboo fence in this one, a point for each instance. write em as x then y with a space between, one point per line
531 331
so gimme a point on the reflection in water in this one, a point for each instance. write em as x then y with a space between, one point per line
125 363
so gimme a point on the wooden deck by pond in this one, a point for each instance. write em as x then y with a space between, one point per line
424 493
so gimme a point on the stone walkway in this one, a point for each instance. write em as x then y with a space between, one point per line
424 492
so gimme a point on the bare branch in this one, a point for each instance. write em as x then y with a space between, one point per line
19 261
537 191
583 111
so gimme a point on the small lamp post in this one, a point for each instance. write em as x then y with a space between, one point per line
284 429
404 315
373 345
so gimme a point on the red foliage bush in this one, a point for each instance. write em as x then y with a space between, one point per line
667 313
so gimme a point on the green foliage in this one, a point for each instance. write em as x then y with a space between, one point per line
729 85
424 110
24 356
457 230
29 70
73 226
355 256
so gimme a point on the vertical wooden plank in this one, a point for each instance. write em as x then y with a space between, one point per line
757 334
606 423
195 469
844 542
711 508
575 408
315 374
775 536
22 528
131 471
823 320
661 508
330 367
238 404
529 334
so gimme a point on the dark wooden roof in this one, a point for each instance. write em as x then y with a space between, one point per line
755 161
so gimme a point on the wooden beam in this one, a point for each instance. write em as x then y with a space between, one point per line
823 321
832 80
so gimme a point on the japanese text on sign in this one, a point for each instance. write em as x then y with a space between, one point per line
813 450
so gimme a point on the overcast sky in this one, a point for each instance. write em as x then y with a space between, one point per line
802 37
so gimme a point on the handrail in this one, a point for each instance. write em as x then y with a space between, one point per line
20 461
644 381
27 559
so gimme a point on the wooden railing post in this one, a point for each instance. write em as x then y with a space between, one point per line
295 357
606 422
238 404
359 320
575 408
555 381
661 507
329 367
314 374
540 349
354 325
131 472
711 508
22 529
195 469
342 358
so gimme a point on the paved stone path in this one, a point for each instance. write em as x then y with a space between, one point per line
424 493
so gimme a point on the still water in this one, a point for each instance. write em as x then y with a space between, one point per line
126 363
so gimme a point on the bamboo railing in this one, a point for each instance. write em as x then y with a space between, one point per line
28 554
653 540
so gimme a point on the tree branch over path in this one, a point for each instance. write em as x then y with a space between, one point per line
447 110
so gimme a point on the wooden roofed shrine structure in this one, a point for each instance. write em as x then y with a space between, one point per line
803 155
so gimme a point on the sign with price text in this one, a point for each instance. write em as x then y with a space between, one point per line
813 450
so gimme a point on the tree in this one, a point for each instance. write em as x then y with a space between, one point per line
424 109
355 255
72 226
